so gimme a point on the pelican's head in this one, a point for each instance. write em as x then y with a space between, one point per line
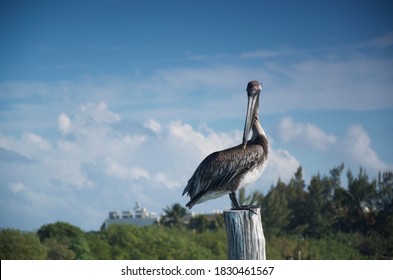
254 88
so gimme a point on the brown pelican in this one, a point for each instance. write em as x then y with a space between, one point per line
226 171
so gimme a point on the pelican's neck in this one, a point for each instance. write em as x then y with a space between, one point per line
258 133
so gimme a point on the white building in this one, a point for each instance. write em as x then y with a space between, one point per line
141 218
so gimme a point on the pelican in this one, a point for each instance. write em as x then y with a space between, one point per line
226 171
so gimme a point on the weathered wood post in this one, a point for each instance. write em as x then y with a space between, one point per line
245 234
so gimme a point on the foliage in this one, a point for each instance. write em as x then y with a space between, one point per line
321 220
158 242
325 211
17 245
61 231
174 216
64 241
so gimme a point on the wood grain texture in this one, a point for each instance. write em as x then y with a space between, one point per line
245 235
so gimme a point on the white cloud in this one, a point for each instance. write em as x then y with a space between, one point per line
98 112
357 147
29 145
138 173
17 187
308 135
154 125
64 123
37 141
161 178
113 168
186 137
66 169
282 164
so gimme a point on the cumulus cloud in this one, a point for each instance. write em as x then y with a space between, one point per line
161 178
354 149
305 134
37 141
154 125
282 164
113 168
358 148
64 123
98 112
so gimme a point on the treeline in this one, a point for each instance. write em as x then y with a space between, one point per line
323 220
357 218
63 241
325 206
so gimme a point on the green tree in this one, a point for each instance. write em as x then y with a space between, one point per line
296 202
385 204
199 223
321 207
385 189
159 242
58 251
99 246
174 216
17 245
61 237
362 200
124 241
275 211
254 199
317 208
60 231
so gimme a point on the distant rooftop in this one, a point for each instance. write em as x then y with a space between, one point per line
141 217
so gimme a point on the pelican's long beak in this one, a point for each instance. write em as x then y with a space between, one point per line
252 109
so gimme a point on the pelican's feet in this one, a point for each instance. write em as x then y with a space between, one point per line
247 207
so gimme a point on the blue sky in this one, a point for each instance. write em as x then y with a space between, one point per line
105 103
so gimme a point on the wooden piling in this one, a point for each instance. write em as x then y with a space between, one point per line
245 234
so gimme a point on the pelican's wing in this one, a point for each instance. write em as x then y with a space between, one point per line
218 170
